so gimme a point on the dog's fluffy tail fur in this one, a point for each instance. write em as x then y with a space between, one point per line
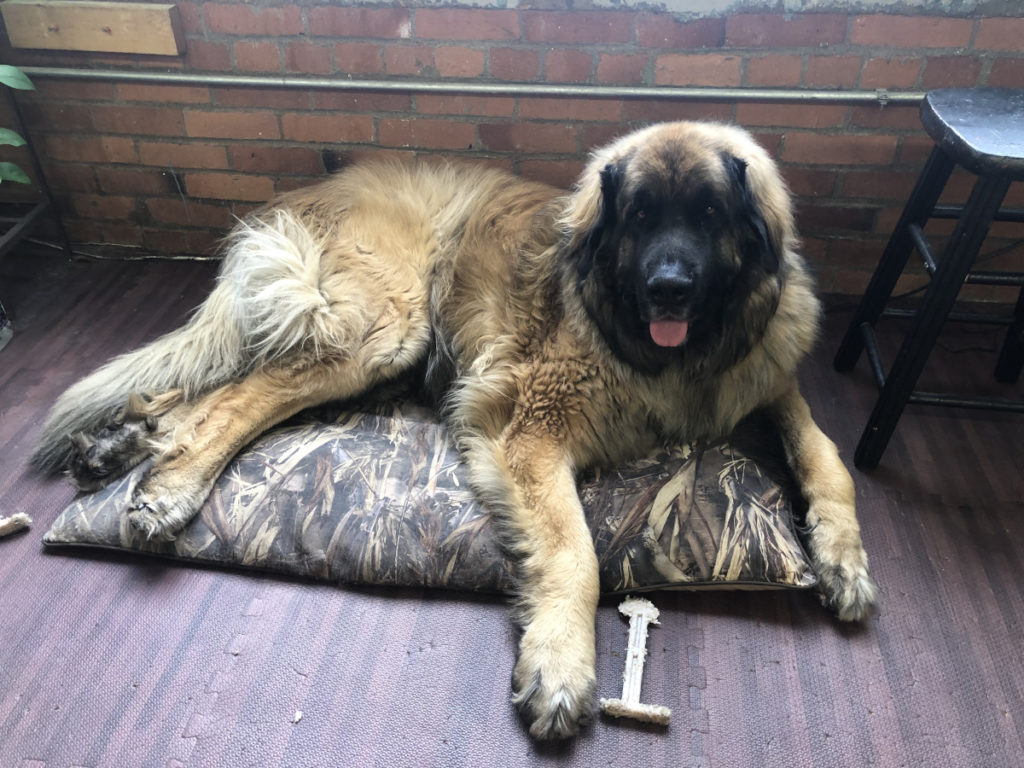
266 304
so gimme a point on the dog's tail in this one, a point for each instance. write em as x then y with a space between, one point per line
267 303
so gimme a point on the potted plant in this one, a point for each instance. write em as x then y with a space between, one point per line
12 77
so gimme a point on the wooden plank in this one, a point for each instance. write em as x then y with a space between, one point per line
81 25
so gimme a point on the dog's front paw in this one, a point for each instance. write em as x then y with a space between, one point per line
845 585
159 513
553 686
847 589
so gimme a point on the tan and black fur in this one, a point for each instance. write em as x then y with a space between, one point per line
533 313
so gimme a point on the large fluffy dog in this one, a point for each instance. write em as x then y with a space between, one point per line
661 300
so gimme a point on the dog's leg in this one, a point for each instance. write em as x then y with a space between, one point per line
215 427
530 486
834 534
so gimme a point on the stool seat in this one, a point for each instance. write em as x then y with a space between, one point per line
982 129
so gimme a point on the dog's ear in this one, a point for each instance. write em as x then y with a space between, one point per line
757 239
611 182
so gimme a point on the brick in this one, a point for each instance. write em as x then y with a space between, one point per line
885 117
622 68
229 186
999 34
662 31
777 70
261 158
770 141
409 60
426 133
810 182
102 206
257 56
232 125
846 149
139 121
303 126
709 69
764 30
514 64
182 211
852 253
201 55
577 27
239 19
556 108
308 58
71 177
457 61
191 17
163 94
1006 73
816 217
77 90
93 231
950 72
529 137
358 58
268 98
832 71
558 173
53 117
466 24
453 104
599 135
386 23
568 66
911 31
361 101
914 150
165 240
663 110
791 115
878 185
155 62
134 181
895 72
92 149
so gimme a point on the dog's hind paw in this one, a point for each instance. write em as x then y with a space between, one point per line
101 458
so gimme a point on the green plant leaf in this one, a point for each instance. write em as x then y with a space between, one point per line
9 137
15 78
11 172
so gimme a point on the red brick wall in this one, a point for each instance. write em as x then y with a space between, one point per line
165 167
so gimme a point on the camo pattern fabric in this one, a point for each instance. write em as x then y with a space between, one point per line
381 498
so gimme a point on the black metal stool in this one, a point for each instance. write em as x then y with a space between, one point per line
981 130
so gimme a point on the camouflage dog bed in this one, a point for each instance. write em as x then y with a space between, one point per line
381 498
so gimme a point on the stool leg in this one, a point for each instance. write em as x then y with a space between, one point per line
982 206
1011 357
919 207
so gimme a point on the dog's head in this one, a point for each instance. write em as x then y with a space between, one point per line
679 235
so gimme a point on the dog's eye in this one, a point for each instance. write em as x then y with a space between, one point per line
640 214
710 212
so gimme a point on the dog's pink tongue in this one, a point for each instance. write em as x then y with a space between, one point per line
669 333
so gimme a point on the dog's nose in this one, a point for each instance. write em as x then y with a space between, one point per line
669 286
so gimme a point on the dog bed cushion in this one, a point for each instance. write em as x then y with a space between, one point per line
380 497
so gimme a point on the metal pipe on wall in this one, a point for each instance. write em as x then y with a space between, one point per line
881 97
